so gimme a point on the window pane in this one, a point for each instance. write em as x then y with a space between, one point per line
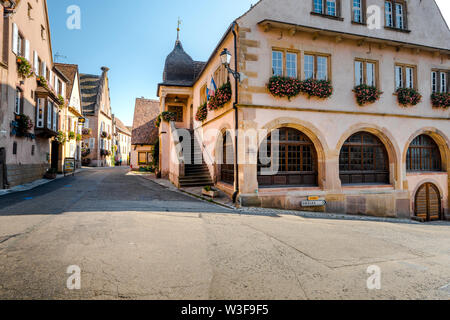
434 81
388 13
409 77
18 98
291 65
331 7
399 15
359 73
370 74
309 67
357 17
318 6
277 63
443 82
322 68
398 77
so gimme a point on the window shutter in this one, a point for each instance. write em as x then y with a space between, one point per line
36 63
27 50
56 84
15 43
338 8
63 90
44 69
51 78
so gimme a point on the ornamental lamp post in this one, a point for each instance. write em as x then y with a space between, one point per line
225 58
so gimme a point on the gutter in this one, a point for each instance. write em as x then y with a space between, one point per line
236 120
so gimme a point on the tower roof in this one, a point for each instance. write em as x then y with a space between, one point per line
179 68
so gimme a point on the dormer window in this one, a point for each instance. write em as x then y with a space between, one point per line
358 14
395 14
328 8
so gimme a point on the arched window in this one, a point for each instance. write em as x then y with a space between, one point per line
363 160
297 159
423 155
227 165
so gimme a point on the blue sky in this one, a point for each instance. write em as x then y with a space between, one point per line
133 38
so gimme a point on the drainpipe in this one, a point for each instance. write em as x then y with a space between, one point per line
236 122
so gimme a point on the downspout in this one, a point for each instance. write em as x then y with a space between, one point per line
236 122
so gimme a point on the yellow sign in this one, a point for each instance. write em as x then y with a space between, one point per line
313 198
69 166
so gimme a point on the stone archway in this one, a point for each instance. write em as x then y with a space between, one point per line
313 134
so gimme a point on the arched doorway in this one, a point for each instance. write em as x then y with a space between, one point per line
363 160
227 164
297 160
428 203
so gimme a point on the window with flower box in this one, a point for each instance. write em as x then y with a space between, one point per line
366 72
317 66
178 111
405 76
285 63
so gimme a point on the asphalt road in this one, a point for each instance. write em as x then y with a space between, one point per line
133 239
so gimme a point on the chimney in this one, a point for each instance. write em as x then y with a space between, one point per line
105 69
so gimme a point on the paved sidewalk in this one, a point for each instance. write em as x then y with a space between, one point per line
224 200
34 184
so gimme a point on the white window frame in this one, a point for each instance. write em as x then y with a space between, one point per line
357 11
399 16
277 63
388 13
443 82
290 68
331 5
18 101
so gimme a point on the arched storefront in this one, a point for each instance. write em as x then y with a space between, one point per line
363 160
296 160
427 204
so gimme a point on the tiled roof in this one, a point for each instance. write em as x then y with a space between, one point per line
70 71
120 125
89 85
144 129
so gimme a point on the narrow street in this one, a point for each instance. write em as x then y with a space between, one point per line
134 239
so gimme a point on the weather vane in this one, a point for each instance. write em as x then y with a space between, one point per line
178 29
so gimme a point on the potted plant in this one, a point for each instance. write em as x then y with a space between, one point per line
79 137
51 174
366 94
61 101
441 100
221 97
61 137
41 81
104 134
408 96
24 68
86 131
210 192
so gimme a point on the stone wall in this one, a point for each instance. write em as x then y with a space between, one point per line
22 174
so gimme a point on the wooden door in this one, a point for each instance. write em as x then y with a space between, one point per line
428 202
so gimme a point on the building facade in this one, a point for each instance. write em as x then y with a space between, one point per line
122 141
352 103
144 134
29 98
71 113
96 105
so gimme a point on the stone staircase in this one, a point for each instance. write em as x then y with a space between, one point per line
196 173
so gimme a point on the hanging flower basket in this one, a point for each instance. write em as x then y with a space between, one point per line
24 67
71 135
284 87
408 96
22 126
85 152
202 112
61 137
86 131
366 94
221 97
441 100
104 134
316 88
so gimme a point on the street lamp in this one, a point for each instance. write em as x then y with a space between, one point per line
225 57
